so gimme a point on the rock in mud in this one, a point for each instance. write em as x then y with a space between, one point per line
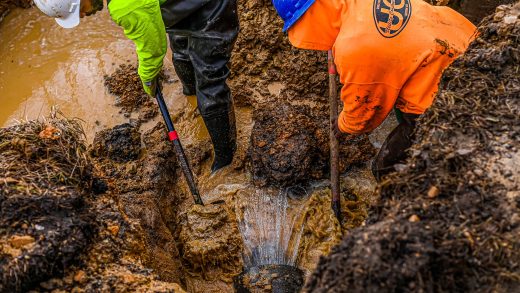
120 144
45 221
290 145
465 238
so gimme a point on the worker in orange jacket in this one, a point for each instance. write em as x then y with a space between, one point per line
389 54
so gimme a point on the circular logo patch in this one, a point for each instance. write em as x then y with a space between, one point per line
391 16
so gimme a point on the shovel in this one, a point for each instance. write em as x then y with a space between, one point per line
179 151
334 148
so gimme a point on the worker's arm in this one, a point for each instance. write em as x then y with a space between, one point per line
365 106
142 23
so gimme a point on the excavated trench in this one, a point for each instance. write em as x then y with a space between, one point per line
134 223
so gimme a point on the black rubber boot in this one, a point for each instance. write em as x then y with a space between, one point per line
393 150
222 131
206 38
182 63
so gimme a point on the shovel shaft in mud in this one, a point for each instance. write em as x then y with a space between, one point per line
334 145
179 151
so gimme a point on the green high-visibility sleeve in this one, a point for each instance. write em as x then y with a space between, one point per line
142 23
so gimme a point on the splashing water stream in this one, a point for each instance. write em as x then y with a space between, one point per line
269 227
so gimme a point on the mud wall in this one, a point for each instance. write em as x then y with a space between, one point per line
449 220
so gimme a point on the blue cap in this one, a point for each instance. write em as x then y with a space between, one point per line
291 10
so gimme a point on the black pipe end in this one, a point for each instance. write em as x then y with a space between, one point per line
270 278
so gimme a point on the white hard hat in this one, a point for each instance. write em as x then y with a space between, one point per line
66 12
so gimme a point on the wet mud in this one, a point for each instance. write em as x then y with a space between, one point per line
126 85
121 143
448 220
290 145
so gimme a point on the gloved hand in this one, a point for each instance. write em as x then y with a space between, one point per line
334 127
340 135
150 87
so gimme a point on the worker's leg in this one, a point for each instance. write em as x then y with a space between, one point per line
182 62
395 146
210 51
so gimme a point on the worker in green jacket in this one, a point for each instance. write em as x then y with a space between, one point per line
202 34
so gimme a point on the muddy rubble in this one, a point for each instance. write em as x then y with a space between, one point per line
448 220
126 86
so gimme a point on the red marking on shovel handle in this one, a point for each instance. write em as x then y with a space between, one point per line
173 135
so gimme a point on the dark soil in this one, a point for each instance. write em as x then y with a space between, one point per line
121 143
448 221
290 145
126 85
263 55
45 222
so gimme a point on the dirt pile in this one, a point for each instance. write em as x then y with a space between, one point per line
126 85
448 220
55 234
45 221
290 145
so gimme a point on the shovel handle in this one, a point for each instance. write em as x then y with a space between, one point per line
179 151
334 144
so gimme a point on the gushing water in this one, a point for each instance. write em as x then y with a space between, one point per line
269 227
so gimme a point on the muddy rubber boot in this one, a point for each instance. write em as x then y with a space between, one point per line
222 131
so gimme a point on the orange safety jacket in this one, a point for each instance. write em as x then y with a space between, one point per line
388 53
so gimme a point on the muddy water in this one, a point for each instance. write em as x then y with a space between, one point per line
43 65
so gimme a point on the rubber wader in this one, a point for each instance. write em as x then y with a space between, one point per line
202 37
